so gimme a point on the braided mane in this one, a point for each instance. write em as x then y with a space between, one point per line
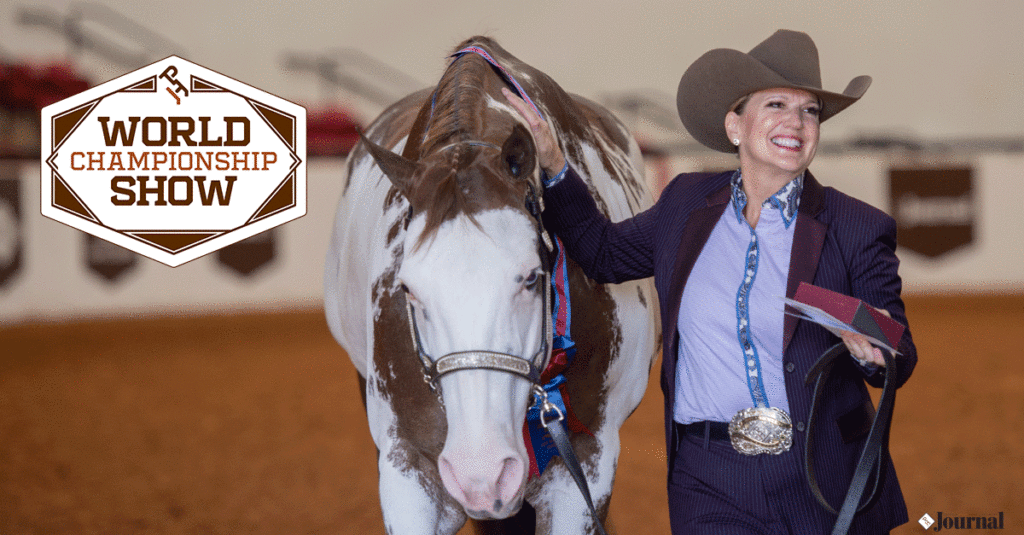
455 181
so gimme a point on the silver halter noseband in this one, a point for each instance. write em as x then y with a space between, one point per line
529 369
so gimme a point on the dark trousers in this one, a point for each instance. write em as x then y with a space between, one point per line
715 490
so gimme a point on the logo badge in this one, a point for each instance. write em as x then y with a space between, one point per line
926 521
934 208
174 161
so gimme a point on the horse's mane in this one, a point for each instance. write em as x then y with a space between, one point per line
458 96
453 115
450 118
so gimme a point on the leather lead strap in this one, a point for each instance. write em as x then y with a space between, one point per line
876 448
557 432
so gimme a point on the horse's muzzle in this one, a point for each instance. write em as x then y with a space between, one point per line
485 490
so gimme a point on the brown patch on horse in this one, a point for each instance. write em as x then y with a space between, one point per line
474 185
594 307
420 427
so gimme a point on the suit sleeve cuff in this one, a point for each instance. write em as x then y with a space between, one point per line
549 182
869 368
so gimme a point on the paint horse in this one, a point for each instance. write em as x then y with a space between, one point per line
438 285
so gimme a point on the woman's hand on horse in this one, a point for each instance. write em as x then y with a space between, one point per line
548 152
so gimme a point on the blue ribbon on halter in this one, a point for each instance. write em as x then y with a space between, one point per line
562 354
543 445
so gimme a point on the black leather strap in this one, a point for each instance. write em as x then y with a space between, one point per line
876 449
557 431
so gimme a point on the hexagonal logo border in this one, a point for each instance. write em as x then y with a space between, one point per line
163 79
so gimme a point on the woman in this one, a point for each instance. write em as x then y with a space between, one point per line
723 248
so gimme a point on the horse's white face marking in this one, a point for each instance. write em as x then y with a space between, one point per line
486 408
480 289
505 107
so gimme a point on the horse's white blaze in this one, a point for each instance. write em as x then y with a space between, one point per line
470 292
469 282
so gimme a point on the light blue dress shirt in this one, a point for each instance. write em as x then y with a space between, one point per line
731 314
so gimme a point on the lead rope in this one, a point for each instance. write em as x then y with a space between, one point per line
565 450
872 458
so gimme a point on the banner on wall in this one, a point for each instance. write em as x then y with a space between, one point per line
934 208
173 161
111 262
11 217
249 255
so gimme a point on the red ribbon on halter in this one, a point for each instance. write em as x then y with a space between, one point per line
539 445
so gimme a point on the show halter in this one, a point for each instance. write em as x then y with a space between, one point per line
550 411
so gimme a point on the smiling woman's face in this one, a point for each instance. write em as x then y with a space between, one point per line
777 131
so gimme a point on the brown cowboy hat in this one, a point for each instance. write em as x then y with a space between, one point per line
713 83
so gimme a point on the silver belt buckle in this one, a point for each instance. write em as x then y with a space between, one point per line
761 430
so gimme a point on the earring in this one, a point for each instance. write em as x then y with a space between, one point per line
736 142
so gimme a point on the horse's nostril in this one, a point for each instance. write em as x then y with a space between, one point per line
510 480
497 506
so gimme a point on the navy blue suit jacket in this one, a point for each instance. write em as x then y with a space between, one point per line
840 243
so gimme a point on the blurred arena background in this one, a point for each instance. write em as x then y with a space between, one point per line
210 398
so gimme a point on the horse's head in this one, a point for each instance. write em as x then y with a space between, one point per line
473 272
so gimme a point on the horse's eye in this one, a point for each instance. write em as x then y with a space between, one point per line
532 279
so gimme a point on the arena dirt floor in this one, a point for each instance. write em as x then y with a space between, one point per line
253 424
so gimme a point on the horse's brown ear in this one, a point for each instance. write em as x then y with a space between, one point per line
518 152
397 168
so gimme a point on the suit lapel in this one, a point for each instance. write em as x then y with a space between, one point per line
808 239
